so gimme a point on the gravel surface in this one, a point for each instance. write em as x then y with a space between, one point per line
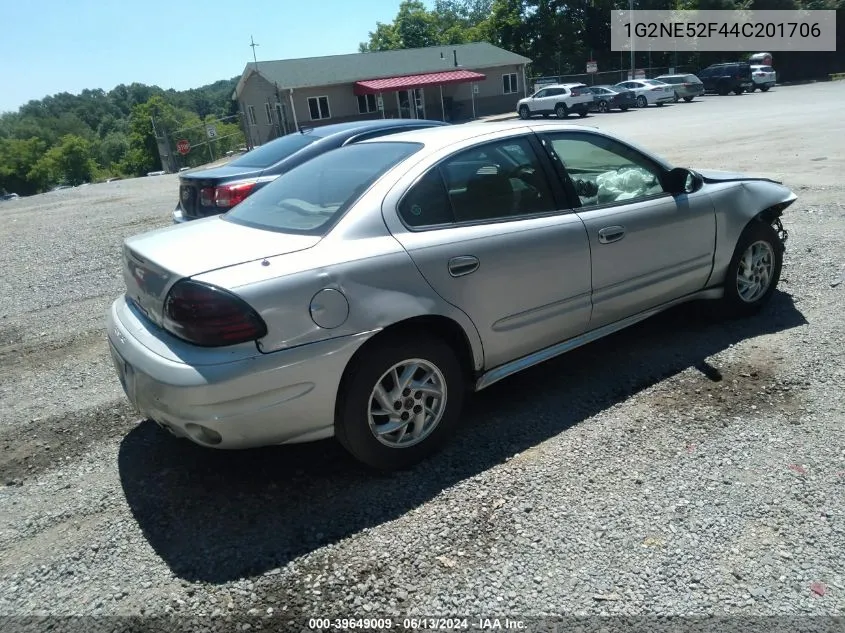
684 466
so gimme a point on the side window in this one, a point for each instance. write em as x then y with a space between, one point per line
427 203
542 93
604 171
504 180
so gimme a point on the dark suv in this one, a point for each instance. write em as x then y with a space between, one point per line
726 78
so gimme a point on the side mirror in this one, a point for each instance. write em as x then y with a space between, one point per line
680 180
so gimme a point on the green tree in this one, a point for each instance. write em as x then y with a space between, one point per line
70 162
18 157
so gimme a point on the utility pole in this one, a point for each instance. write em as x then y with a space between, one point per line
253 45
631 9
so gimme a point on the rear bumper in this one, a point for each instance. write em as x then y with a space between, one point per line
265 399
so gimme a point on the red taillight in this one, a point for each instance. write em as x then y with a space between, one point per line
576 93
230 195
208 316
207 196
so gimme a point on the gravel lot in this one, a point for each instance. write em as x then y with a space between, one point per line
684 466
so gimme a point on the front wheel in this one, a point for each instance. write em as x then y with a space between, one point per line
688 99
524 113
739 91
400 402
582 113
642 102
561 111
765 88
603 107
754 270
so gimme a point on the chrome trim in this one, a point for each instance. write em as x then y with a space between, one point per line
508 369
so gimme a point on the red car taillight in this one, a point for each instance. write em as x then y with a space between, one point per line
209 316
230 195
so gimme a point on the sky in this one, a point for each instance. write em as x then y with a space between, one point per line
50 46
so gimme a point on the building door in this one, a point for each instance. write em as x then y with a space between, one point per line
411 103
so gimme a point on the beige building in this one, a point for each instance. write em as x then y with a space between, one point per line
450 83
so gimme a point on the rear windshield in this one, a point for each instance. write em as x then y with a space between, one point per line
672 80
274 151
311 197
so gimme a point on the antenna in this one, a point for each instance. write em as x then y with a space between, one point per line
253 45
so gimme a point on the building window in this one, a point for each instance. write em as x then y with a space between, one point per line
250 110
509 83
319 108
366 104
281 123
269 112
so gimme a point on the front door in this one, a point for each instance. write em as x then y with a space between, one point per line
411 103
486 233
648 247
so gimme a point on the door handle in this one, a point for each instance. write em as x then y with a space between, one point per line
611 234
463 265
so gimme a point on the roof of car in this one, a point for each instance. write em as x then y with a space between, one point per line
370 124
444 136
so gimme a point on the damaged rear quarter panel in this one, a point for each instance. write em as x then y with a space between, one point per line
375 274
737 204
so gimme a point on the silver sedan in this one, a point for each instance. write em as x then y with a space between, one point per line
363 293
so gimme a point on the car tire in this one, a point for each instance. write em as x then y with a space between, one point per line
660 104
748 290
583 112
676 98
724 91
603 106
561 111
623 108
642 102
355 421
739 91
764 88
524 112
688 99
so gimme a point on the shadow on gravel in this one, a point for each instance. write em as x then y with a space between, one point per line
216 516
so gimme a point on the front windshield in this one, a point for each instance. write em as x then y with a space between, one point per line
274 151
309 198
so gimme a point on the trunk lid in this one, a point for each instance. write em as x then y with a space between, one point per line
154 261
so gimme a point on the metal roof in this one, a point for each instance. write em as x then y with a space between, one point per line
309 72
372 86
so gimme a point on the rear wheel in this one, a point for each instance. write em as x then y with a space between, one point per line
642 102
524 112
561 111
688 99
765 88
582 112
724 90
603 107
739 90
754 270
659 104
400 402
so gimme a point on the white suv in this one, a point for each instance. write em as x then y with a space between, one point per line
764 77
557 99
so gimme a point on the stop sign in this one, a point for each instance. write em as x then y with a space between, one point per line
183 146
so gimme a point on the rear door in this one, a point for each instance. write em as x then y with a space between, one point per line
488 229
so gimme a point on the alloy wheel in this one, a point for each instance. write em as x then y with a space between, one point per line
407 403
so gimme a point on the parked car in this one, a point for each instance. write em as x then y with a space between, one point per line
9 196
605 98
216 190
726 78
763 77
558 99
359 295
687 87
648 91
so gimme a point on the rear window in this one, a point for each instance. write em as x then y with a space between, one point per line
274 151
310 198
